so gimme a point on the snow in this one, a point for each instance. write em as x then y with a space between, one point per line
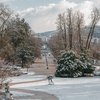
30 84
26 78
61 81
29 99
21 94
85 88
31 73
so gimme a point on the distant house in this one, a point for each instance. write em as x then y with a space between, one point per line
95 40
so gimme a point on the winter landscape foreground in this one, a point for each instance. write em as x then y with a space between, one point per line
65 89
34 85
24 87
49 49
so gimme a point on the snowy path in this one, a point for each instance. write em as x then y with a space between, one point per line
26 78
85 88
68 89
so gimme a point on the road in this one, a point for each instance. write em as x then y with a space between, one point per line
84 88
38 73
40 68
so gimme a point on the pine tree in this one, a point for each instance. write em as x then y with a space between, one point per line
87 64
69 65
72 65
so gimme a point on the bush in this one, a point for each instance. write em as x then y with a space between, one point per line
69 65
87 64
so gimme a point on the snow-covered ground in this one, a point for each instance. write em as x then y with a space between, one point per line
21 94
26 78
86 88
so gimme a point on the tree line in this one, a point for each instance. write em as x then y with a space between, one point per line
72 46
18 43
71 33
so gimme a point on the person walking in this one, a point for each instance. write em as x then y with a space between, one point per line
50 80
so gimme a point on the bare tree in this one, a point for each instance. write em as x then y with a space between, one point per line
65 27
5 14
79 25
95 17
56 44
61 26
69 21
4 73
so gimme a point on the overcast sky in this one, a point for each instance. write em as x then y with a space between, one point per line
42 14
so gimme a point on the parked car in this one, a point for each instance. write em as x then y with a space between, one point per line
49 54
97 71
16 71
11 70
88 75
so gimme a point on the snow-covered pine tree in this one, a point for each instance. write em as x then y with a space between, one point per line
87 64
69 65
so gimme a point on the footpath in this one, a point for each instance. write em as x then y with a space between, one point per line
27 94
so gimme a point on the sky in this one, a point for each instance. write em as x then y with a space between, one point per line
42 14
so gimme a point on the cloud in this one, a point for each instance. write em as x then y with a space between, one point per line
43 18
25 12
3 1
97 3
86 7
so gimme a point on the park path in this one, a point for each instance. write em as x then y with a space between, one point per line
39 68
34 95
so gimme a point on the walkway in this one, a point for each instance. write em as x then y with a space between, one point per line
26 94
33 95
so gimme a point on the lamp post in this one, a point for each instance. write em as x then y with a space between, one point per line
46 60
7 92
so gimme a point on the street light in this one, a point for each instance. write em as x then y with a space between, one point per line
46 60
7 92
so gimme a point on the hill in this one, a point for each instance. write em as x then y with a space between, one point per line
47 34
51 33
96 32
